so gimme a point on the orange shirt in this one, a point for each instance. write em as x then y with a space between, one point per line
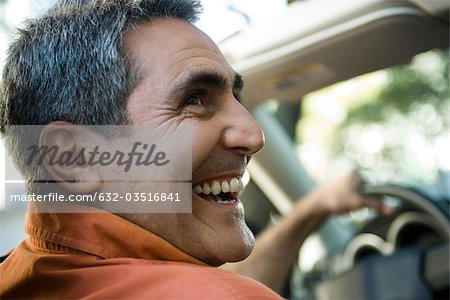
102 256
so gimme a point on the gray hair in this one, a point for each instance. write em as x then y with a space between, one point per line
70 65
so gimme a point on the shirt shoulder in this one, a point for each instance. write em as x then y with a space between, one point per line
28 275
172 280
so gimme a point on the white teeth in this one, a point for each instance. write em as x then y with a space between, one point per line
206 189
216 188
234 185
225 187
198 189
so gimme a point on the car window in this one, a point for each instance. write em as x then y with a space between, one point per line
392 125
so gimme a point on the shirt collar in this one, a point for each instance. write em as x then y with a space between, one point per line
103 234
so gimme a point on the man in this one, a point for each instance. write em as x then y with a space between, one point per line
142 62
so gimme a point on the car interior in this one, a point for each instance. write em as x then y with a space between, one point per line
315 50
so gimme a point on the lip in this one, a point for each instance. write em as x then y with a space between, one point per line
235 206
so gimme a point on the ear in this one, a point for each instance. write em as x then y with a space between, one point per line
65 158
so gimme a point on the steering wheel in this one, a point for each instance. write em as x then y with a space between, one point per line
404 255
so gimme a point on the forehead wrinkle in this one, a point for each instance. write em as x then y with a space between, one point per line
194 60
196 53
181 51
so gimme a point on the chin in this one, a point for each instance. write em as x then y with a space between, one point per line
234 249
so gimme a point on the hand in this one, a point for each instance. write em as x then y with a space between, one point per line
345 194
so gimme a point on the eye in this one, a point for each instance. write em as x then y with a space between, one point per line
194 99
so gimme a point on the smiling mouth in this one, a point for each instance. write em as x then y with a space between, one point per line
223 191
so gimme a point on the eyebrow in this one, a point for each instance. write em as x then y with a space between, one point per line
238 82
213 79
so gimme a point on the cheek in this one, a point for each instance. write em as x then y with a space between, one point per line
205 138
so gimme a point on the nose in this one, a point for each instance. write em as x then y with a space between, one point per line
242 134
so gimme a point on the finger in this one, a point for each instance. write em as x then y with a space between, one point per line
375 202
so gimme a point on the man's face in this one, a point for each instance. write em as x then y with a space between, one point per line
187 82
